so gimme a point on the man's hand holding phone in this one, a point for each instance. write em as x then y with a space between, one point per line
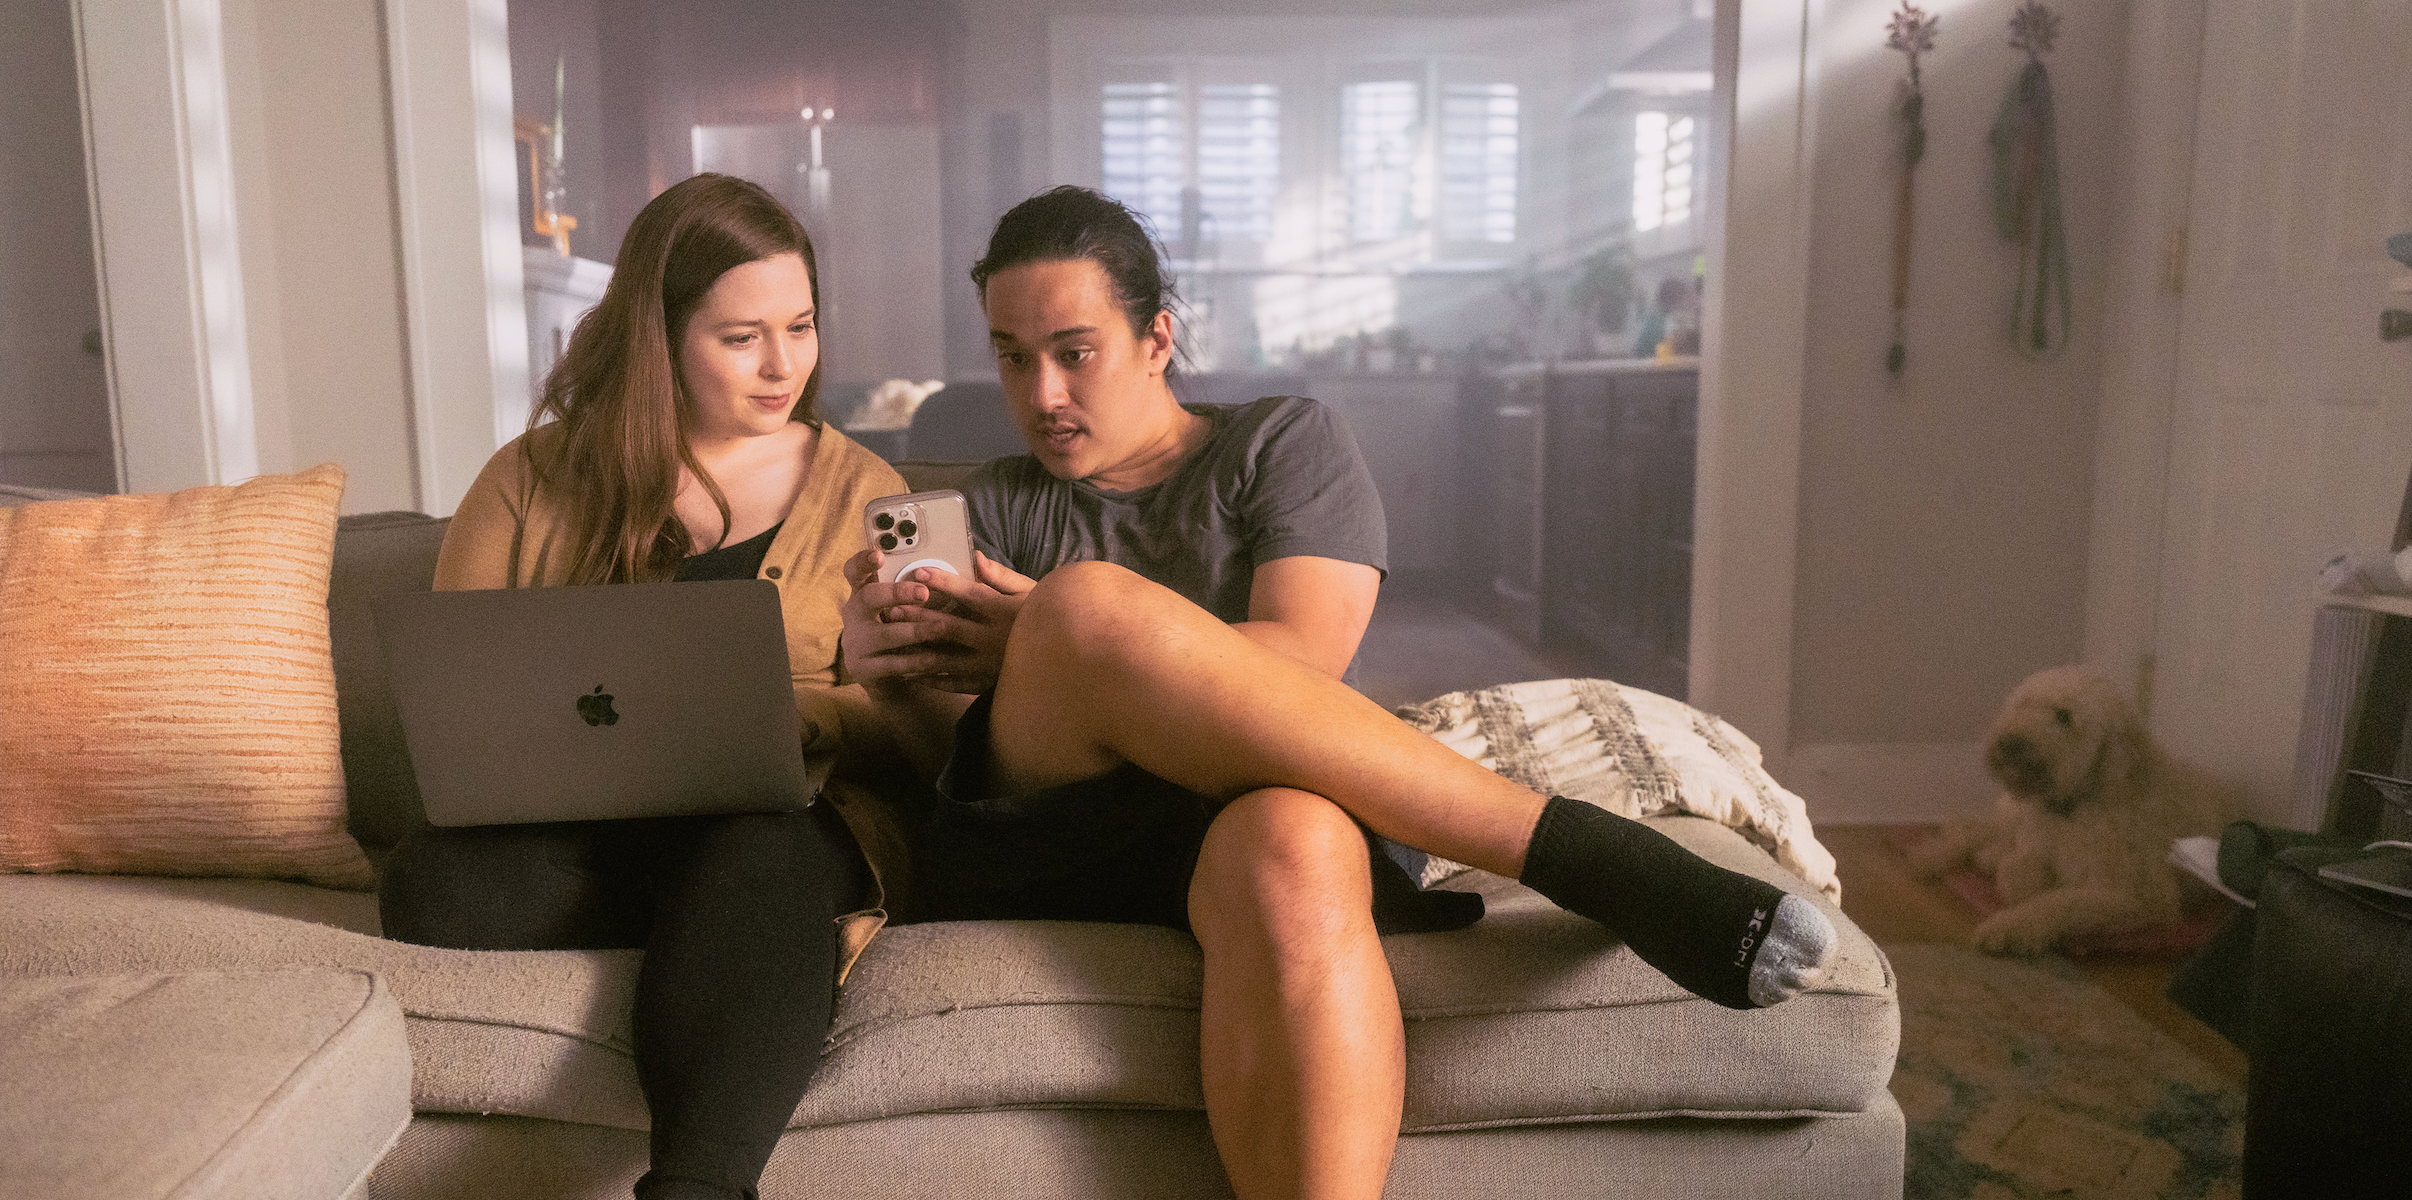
930 627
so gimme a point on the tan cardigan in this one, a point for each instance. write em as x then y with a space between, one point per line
506 534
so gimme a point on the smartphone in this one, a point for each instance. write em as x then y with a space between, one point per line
923 529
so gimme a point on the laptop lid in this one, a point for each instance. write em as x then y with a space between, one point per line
593 703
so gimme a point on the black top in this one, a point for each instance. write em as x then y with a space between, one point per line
740 561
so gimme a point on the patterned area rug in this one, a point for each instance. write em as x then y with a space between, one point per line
2023 1080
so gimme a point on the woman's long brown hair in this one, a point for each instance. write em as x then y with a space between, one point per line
622 413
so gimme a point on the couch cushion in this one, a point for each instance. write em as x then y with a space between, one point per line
286 1084
1114 1154
376 554
1530 1015
165 675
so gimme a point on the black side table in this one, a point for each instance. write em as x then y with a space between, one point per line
2328 1111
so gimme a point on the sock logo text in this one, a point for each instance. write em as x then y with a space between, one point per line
1750 937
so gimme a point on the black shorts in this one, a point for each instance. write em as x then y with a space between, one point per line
1119 848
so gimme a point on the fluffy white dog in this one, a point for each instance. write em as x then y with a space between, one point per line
2078 843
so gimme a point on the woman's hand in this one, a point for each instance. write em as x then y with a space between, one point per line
876 643
933 627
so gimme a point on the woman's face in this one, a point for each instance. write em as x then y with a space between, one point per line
1087 393
748 349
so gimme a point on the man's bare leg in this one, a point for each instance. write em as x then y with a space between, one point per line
1303 1053
1104 667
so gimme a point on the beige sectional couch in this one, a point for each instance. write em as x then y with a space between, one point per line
1026 1059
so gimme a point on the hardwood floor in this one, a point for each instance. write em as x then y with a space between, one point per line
1895 906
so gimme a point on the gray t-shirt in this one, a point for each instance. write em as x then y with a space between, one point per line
1276 478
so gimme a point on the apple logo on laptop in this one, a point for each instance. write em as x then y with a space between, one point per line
596 708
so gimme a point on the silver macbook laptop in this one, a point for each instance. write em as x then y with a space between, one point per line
590 703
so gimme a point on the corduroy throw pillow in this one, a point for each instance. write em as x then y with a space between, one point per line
167 696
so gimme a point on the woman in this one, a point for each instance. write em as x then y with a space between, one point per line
1162 733
678 439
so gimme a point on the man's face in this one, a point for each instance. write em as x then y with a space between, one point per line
1084 390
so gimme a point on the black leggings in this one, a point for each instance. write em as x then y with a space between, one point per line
736 915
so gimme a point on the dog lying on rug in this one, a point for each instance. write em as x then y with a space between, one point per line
2078 842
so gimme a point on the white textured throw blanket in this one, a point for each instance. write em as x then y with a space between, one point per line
1632 752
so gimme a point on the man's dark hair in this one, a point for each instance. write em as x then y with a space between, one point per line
1069 222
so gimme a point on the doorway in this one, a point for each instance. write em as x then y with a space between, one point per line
55 430
2290 420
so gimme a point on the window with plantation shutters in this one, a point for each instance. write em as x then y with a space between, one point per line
1239 157
1221 142
1146 149
1478 145
1381 136
1662 170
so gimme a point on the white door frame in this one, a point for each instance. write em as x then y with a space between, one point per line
160 170
161 175
1754 343
2140 347
457 201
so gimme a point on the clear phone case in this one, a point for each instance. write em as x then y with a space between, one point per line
922 529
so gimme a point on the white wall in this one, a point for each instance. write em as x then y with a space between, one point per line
54 395
314 202
1941 541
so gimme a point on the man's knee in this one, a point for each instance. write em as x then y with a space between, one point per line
1081 593
1091 609
1282 860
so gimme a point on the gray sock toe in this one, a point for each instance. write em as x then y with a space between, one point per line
1800 941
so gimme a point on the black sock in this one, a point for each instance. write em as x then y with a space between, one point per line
1401 907
1721 935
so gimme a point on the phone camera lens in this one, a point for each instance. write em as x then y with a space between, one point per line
883 521
887 541
907 528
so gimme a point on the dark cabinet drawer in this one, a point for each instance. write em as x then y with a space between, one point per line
1616 522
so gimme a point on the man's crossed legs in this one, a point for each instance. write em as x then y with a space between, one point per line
1303 1047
